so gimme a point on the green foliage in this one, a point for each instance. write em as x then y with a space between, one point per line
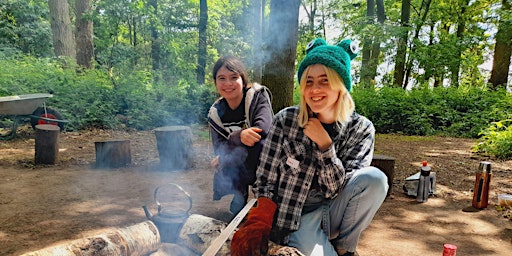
94 98
459 112
24 28
496 140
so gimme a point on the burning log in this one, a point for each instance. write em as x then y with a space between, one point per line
139 239
46 143
199 232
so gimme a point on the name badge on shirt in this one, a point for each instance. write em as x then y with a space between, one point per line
292 162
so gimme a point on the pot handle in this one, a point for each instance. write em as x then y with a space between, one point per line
180 188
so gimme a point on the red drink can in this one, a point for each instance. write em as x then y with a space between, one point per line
449 250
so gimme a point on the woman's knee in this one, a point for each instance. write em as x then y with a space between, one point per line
373 178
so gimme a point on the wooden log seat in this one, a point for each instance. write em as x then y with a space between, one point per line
175 148
387 165
46 144
112 153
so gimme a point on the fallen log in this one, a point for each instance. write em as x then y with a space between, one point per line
139 239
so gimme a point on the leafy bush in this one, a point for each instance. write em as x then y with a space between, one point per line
96 98
458 112
496 140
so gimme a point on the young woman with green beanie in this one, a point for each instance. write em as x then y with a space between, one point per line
315 187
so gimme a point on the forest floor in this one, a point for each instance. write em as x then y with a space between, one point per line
41 205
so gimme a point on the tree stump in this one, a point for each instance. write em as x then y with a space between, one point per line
113 153
46 144
387 165
174 145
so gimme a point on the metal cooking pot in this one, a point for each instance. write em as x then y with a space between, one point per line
169 218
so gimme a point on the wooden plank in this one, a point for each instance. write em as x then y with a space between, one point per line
224 235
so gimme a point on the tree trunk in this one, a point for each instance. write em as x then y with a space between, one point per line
155 38
366 73
425 7
202 54
84 34
257 11
401 51
63 42
282 46
374 59
502 50
139 239
461 27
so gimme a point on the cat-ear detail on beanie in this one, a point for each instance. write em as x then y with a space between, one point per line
337 57
351 47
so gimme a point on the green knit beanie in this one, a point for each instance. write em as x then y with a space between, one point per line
337 57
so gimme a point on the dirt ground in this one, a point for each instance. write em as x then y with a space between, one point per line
41 205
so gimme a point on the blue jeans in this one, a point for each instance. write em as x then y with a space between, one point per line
238 202
346 217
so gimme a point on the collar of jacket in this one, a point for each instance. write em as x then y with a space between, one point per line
213 115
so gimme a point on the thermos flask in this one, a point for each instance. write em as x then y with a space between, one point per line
424 183
482 183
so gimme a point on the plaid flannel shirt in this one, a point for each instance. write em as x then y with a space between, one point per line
290 160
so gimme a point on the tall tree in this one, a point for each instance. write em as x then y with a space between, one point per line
423 11
84 34
155 37
310 14
201 54
401 51
63 42
257 8
281 44
461 27
502 48
371 42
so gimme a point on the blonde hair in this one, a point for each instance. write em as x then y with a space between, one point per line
344 105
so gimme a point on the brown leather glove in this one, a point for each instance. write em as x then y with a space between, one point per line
252 238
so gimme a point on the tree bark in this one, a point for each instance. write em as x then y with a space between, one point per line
84 34
502 50
63 42
282 47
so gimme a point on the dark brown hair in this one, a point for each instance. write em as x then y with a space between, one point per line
233 64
